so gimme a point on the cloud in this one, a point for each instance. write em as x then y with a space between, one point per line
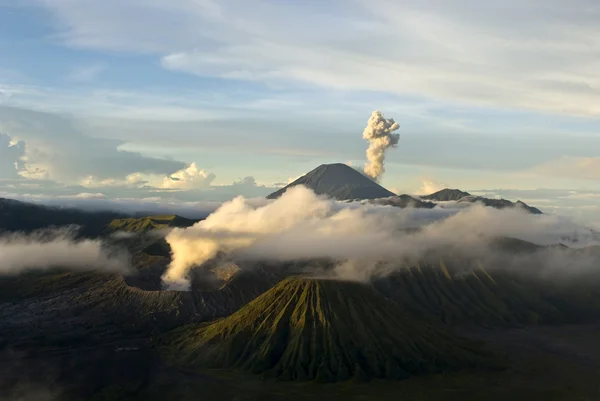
302 226
10 156
90 201
53 148
571 167
523 54
428 187
188 178
133 180
58 249
86 73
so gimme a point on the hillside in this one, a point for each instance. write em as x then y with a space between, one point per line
500 203
447 195
324 330
453 296
148 223
79 308
338 181
27 217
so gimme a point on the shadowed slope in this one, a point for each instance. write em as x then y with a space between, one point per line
325 330
498 298
27 217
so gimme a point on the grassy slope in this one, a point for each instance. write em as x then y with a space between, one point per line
144 224
324 330
497 299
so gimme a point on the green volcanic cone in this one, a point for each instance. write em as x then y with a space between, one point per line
325 330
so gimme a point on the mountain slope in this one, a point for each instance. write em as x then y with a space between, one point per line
338 181
27 217
452 295
324 330
499 203
144 224
446 194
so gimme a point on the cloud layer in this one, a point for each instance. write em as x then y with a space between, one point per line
58 249
522 54
51 147
302 226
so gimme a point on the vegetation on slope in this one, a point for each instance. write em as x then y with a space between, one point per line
324 330
148 223
488 299
45 307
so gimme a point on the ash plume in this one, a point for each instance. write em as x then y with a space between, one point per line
58 248
379 133
303 226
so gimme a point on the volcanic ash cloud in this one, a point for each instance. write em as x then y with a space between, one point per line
379 133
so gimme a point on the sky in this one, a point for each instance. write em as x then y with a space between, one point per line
203 100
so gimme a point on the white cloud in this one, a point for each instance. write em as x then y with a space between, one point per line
11 153
301 225
523 54
133 180
571 167
51 249
51 147
188 178
86 73
428 187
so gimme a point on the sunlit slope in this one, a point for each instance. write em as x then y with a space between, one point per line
148 223
324 330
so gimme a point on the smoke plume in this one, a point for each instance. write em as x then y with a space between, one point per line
303 226
57 248
379 133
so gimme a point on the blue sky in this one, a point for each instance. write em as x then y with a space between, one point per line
231 97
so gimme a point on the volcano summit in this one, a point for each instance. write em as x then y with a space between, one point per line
338 181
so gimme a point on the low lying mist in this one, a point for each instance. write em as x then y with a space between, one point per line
371 239
53 248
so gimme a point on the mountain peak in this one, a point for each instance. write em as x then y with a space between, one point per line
324 330
338 181
446 194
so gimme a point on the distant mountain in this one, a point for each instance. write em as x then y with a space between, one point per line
446 194
338 181
323 330
148 223
402 201
500 203
27 217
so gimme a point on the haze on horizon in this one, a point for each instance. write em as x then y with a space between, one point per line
494 99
